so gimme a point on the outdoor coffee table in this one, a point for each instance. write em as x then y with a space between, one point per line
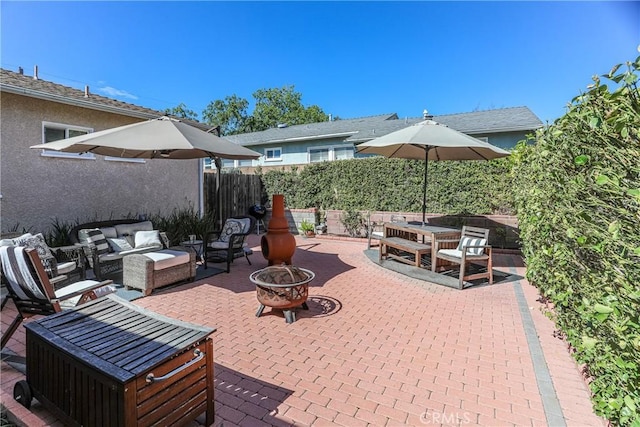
196 245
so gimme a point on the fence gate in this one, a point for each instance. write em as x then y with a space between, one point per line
237 193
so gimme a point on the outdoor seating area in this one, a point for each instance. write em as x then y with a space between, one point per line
439 249
372 347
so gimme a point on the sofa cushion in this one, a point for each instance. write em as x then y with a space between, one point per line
140 250
83 234
119 244
146 239
167 258
96 238
131 229
109 232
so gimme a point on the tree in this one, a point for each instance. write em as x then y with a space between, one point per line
283 106
273 107
181 111
230 114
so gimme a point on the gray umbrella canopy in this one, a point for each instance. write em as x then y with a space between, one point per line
161 138
164 138
431 140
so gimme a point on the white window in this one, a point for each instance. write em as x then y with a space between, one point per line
322 154
57 131
343 153
208 164
273 154
318 155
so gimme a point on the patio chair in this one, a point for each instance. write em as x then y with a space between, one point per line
32 291
62 260
229 243
472 248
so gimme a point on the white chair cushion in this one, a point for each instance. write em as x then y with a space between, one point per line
72 302
66 267
81 286
456 253
219 245
470 241
167 258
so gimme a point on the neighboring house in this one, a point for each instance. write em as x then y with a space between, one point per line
337 139
38 187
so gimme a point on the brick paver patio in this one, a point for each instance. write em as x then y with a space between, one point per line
375 348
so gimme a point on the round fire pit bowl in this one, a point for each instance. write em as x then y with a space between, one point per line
283 287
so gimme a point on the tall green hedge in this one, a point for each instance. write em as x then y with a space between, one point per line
578 202
393 185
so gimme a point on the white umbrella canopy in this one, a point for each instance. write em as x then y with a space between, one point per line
164 138
430 140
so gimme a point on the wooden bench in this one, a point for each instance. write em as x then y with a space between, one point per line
415 248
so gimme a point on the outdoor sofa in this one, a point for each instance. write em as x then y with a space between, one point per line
151 261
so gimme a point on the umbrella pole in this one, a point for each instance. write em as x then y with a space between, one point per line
424 185
218 163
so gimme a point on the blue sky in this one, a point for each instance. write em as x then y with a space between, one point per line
352 59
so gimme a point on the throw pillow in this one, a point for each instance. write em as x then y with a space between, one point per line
231 226
144 239
470 241
119 244
95 237
36 242
19 241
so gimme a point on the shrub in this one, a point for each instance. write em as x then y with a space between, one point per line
578 201
396 185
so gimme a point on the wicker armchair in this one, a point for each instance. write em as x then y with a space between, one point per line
229 243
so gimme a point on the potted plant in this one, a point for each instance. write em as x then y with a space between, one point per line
307 228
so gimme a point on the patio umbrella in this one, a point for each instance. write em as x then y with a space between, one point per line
430 140
161 138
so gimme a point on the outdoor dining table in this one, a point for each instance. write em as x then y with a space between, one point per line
427 234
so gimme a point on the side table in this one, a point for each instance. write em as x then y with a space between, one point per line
196 245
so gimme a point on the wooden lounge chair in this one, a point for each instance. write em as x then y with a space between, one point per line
32 291
472 248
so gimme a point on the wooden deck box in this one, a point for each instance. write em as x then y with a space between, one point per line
111 363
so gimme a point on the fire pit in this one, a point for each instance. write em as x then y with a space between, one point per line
283 287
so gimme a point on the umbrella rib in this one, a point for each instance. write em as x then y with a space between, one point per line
479 154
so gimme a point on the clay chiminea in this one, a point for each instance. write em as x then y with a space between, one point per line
278 244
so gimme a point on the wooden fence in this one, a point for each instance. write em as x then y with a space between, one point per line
237 193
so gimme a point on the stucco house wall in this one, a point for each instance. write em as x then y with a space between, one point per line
37 190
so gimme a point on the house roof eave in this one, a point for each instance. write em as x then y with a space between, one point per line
62 99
